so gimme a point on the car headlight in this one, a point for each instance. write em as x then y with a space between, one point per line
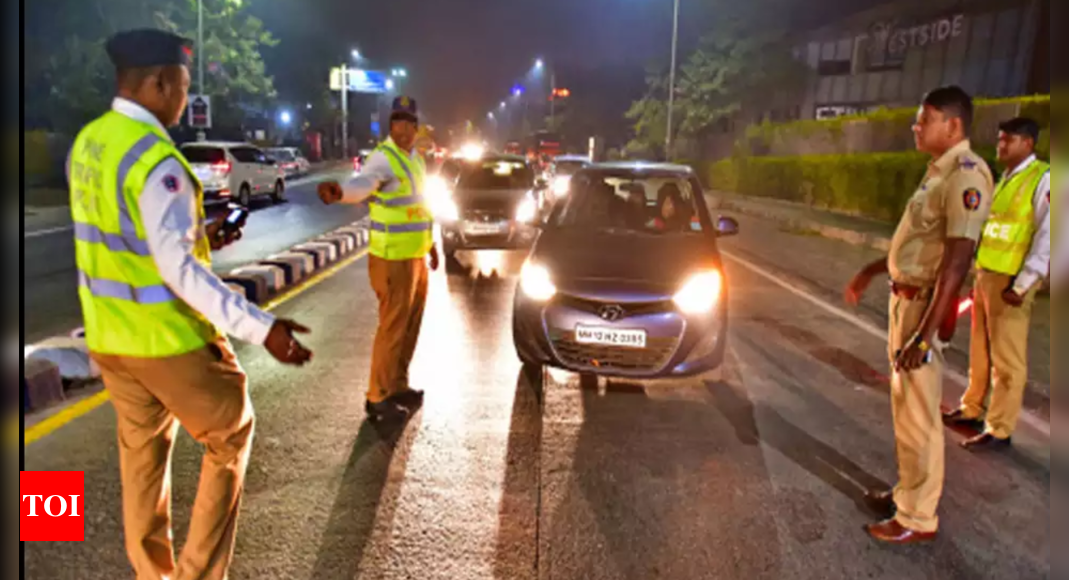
701 293
445 210
561 185
527 211
536 282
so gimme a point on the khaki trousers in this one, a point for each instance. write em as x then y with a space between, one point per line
998 358
206 391
401 287
919 436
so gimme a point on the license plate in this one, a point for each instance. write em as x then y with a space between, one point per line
491 229
202 173
610 337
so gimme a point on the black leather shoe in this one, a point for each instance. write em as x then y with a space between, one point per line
408 398
882 503
986 442
385 412
957 417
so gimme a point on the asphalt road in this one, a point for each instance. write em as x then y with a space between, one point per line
756 473
49 281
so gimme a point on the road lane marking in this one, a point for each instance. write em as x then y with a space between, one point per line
81 408
862 324
48 232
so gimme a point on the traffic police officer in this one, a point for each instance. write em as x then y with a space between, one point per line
930 257
1013 261
401 241
155 314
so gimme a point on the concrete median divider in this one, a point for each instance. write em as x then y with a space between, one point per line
50 363
324 254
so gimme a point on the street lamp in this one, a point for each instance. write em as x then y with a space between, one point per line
345 103
285 117
390 85
539 64
672 83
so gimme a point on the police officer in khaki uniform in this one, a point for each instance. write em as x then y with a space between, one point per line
402 247
156 317
930 257
1013 261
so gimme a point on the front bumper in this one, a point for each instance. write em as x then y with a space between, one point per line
677 345
468 235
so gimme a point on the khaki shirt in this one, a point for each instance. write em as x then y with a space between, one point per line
953 201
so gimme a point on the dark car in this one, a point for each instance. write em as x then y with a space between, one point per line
625 279
491 204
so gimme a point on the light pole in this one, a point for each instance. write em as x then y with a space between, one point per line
672 83
355 54
201 135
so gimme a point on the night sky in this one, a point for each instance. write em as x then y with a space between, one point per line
463 55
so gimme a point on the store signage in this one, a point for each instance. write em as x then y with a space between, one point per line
892 41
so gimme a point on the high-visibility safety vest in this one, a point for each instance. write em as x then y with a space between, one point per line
128 309
401 224
1009 231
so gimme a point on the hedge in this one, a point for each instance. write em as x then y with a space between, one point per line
876 185
891 128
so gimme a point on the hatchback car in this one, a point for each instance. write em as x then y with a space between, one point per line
625 279
491 204
561 171
235 172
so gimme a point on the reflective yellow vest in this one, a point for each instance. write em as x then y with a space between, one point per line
1009 231
401 223
128 309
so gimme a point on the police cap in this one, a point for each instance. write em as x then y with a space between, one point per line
147 48
404 108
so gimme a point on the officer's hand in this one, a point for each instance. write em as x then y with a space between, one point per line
220 237
856 289
1012 298
330 192
284 347
435 259
911 358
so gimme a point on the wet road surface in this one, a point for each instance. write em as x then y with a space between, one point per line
754 472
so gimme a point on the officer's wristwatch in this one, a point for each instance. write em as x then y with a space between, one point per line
921 344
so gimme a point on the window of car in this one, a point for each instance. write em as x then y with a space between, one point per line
281 155
653 205
491 174
246 154
207 155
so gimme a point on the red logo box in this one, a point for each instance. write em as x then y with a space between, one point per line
53 506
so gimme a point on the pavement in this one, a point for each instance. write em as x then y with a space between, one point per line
49 280
823 250
754 472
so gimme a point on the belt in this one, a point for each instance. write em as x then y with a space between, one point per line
907 292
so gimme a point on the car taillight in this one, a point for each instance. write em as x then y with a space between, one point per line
223 168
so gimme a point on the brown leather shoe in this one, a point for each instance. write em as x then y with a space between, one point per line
986 442
957 417
892 532
882 503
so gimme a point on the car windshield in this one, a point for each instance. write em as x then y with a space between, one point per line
204 154
281 155
569 167
631 204
497 174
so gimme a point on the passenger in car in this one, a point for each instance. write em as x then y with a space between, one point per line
674 215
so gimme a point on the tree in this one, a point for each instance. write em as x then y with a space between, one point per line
650 116
72 81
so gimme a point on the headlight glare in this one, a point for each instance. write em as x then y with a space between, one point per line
701 293
536 282
527 210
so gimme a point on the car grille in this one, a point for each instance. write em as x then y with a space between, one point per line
630 309
486 216
654 357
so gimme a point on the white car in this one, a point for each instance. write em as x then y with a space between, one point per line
291 160
235 171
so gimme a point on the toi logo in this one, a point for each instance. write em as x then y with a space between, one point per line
53 506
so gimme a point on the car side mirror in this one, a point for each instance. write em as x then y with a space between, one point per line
726 227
